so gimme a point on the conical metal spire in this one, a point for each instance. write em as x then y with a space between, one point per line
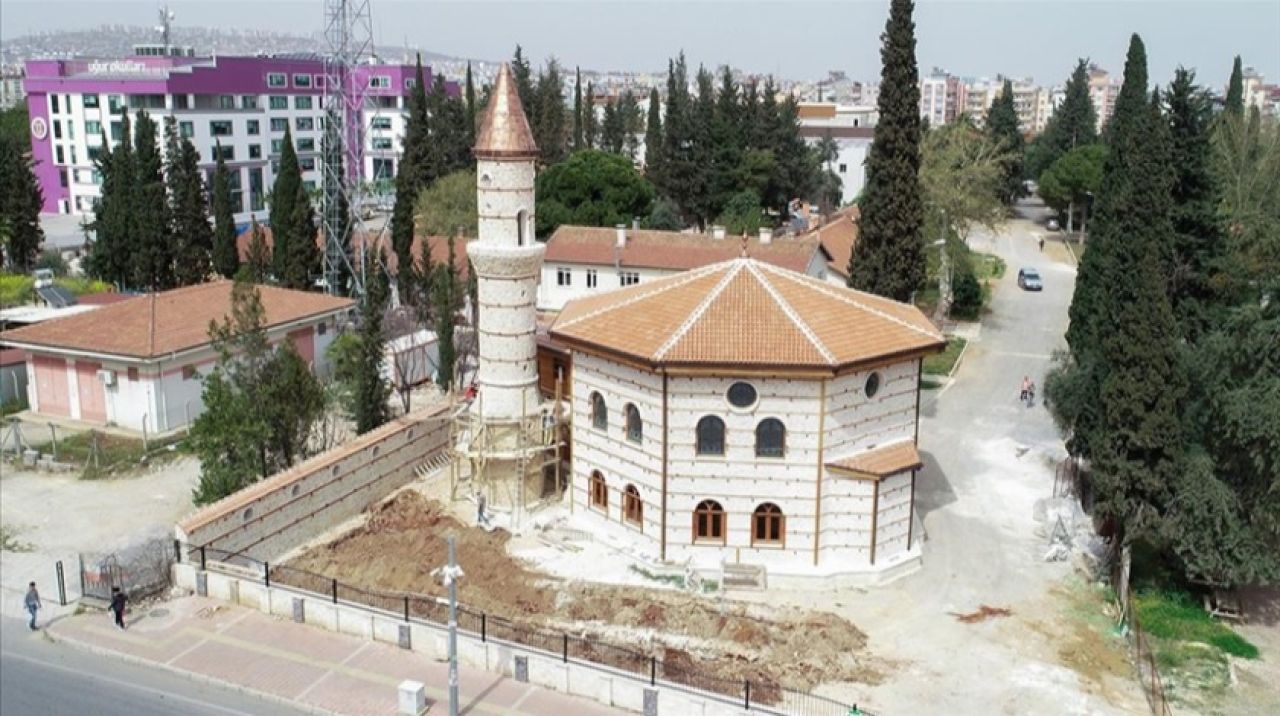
504 131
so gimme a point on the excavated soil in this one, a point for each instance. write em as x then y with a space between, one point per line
405 539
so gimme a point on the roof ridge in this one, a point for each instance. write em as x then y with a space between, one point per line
790 311
695 315
822 287
683 278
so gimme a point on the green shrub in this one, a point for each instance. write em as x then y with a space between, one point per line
966 296
1174 614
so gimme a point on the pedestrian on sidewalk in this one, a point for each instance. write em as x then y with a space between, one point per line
32 603
481 518
1041 244
118 600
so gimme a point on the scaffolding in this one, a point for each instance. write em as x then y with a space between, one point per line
516 463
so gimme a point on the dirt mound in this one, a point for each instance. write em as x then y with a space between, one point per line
697 637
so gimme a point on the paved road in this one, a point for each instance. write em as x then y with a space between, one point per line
41 678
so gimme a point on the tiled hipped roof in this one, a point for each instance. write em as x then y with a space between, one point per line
670 250
744 312
881 462
160 323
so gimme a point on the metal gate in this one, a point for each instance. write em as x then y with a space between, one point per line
139 571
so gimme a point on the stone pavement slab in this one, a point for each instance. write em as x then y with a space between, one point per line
283 661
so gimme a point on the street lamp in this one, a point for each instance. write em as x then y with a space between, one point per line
450 574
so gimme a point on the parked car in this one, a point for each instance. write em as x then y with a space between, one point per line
1052 225
1029 280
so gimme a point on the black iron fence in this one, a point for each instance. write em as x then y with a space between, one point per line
762 694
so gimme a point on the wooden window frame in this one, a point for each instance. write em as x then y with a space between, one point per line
705 508
598 492
770 515
632 507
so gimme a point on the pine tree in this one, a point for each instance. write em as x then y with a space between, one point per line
702 130
226 255
611 129
522 73
1002 127
471 108
258 260
653 138
888 258
410 180
152 259
113 223
800 170
726 142
1235 90
295 254
550 128
371 388
20 203
1073 124
192 234
749 121
445 297
1198 244
680 175
589 118
577 109
448 147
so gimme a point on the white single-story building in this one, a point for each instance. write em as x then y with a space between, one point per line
743 413
138 364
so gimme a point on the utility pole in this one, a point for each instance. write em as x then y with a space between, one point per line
452 573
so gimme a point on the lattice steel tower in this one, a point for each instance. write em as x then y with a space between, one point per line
348 34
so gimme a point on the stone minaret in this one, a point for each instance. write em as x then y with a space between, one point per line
506 257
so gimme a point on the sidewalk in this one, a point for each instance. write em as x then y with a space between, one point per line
283 661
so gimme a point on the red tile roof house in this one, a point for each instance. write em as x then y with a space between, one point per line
137 364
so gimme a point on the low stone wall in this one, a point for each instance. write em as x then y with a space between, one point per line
601 683
273 516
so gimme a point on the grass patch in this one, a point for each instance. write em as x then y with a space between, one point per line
17 289
927 384
943 363
674 580
1174 615
116 455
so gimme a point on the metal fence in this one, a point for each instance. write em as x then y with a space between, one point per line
139 571
764 695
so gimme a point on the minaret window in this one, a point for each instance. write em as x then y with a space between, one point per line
522 220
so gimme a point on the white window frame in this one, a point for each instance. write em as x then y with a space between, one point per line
564 276
277 79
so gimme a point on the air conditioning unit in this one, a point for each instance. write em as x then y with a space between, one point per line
108 377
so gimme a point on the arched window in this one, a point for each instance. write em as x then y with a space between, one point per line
710 436
599 491
522 223
632 507
599 412
768 525
635 429
771 438
708 522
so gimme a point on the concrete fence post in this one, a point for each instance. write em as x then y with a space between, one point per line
565 648
202 558
747 695
335 591
266 574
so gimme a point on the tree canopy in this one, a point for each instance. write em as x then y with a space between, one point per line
591 188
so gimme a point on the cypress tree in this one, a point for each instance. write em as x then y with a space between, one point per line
295 255
226 255
522 73
192 234
653 138
702 125
1235 90
679 175
888 258
726 141
1198 241
113 223
445 297
410 179
799 167
1073 124
20 203
577 109
371 388
611 129
448 148
749 122
549 130
153 260
471 109
1002 127
258 260
589 118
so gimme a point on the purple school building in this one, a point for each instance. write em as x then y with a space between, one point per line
243 104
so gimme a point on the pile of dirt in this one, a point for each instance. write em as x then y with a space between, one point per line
404 539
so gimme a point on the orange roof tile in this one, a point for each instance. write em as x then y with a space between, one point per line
881 462
837 237
159 323
504 131
672 250
745 312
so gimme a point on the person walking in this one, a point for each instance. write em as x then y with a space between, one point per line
32 603
118 600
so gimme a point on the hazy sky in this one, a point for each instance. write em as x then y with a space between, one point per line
792 38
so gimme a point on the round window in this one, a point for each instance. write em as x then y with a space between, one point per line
742 395
873 385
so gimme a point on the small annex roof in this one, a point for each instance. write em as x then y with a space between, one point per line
746 313
157 324
670 250
837 238
880 462
504 130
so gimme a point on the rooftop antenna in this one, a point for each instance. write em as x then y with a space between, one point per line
165 26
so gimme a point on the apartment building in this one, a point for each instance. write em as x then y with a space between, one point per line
1103 91
240 106
11 90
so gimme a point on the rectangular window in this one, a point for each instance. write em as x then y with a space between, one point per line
117 131
255 151
304 124
90 101
380 123
226 101
279 124
564 276
410 82
321 328
74 160
306 144
276 79
95 152
249 101
53 104
92 128
307 164
309 185
189 372
256 195
58 156
187 129
62 175
228 153
302 80
592 278
383 168
279 102
252 126
843 168
628 278
71 129
180 102
220 127
277 146
381 142
301 102
133 375
379 82
57 129
115 104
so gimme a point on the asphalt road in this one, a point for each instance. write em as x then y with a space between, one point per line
41 678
